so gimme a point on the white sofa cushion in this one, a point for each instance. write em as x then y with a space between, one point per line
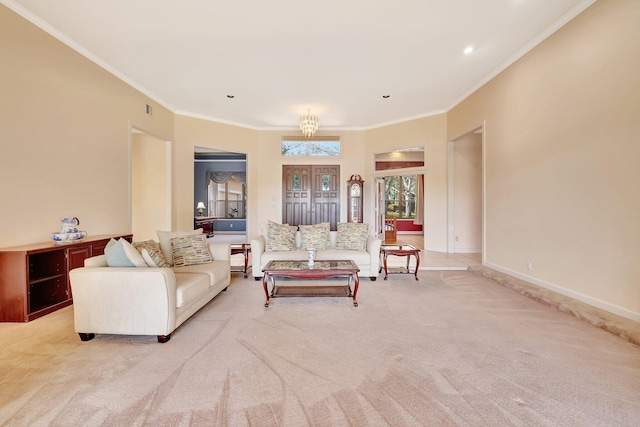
190 287
297 255
215 270
359 257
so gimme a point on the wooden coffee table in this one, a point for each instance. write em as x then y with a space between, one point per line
399 250
302 270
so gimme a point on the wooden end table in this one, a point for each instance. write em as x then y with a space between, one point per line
302 270
400 250
242 248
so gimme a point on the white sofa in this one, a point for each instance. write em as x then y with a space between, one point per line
144 301
368 260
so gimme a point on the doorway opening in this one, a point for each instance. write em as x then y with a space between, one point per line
400 199
220 194
466 194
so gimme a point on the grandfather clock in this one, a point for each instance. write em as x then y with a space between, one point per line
355 196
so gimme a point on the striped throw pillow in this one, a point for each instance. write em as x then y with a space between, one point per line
190 250
151 253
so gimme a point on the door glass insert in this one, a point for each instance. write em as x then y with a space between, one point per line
326 182
296 184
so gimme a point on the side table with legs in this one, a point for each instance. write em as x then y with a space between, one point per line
400 250
245 249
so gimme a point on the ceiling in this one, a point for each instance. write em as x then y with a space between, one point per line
279 58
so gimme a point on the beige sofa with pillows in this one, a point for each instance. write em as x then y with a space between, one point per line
148 288
284 242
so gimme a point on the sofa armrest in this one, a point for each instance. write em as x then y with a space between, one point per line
373 247
96 261
258 246
124 300
220 251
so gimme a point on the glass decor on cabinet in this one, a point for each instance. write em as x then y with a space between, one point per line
355 196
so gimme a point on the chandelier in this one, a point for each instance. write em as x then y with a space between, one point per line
308 124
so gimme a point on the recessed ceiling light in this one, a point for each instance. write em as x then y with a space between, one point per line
386 96
467 50
230 96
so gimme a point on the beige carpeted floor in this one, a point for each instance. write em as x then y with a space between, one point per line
454 348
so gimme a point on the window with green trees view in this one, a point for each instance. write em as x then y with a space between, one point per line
400 196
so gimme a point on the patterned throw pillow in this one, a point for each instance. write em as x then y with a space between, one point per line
151 253
352 236
281 237
190 250
165 241
315 236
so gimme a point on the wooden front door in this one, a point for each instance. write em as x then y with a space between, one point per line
311 194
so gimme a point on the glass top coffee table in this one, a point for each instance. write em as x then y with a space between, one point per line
399 250
317 270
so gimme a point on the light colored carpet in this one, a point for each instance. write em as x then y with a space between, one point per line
454 348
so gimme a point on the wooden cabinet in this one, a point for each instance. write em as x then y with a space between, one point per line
204 222
34 279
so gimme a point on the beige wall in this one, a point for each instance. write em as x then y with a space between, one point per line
264 166
150 201
562 155
194 132
351 162
65 144
467 193
431 134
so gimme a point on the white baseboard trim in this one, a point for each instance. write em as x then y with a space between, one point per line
443 250
409 232
623 312
468 251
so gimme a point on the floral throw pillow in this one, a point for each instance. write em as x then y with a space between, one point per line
315 236
190 250
281 237
352 236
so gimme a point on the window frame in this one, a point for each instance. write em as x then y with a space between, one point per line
399 201
213 200
318 141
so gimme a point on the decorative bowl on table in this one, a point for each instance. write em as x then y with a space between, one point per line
68 237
